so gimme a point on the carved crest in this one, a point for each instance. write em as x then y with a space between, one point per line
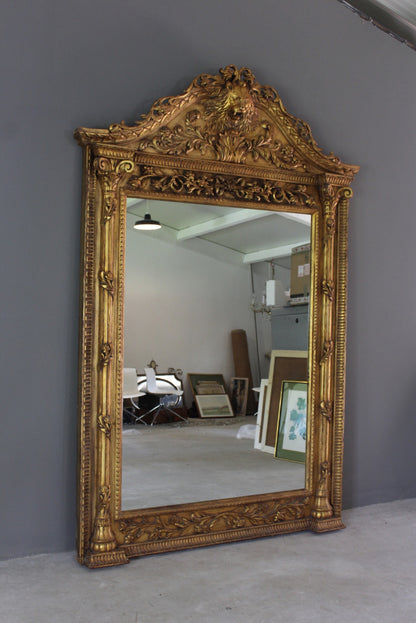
228 117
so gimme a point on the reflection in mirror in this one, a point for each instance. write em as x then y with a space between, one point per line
209 271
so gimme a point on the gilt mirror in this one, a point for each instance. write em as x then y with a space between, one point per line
237 184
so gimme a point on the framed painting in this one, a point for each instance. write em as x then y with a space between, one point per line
214 405
291 430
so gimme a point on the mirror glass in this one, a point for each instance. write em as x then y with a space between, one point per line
208 271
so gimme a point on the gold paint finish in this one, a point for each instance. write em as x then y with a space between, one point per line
226 140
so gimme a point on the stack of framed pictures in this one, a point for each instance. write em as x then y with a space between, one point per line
287 367
211 398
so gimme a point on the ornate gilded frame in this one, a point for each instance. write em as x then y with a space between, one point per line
226 140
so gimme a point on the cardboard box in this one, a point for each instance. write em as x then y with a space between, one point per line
300 274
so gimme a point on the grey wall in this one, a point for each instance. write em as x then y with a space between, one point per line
66 64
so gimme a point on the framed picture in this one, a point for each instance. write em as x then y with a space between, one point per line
291 430
214 405
284 364
239 394
203 384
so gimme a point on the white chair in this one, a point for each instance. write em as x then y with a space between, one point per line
165 391
131 392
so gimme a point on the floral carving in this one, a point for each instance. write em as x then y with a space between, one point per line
330 226
106 279
105 353
328 288
220 186
104 424
327 351
104 494
162 526
325 471
326 410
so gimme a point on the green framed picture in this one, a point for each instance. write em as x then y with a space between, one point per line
291 427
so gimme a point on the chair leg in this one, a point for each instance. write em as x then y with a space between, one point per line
137 418
176 414
159 407
140 418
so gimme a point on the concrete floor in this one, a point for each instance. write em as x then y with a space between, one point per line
199 460
366 574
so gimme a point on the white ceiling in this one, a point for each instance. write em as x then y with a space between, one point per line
257 235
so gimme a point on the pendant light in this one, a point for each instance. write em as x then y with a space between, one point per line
147 223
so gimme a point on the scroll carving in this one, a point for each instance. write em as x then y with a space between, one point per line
110 172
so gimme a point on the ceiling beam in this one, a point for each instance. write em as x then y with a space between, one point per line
236 217
305 219
264 255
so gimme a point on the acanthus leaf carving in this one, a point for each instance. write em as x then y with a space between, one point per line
197 522
192 136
